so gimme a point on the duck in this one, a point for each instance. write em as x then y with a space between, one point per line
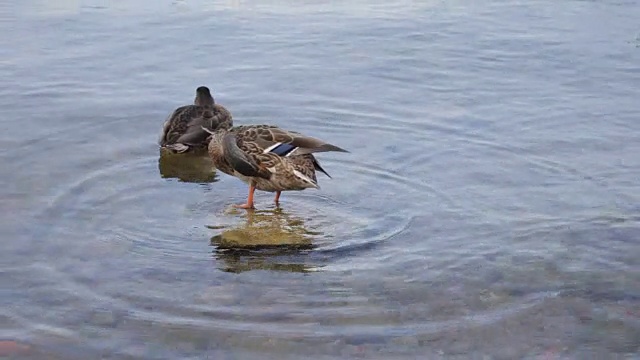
268 158
183 130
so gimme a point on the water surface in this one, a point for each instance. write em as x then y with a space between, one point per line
488 207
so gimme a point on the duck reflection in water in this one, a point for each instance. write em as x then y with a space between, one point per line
189 167
268 240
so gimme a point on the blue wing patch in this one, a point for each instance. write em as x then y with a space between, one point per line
283 149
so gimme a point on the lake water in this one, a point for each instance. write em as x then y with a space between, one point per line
489 207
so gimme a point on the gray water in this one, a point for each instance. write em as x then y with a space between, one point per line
489 207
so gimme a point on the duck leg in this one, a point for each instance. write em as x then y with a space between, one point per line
277 198
249 204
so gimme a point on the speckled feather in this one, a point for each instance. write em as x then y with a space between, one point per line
183 129
240 152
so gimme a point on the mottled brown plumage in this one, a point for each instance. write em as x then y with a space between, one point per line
268 158
183 130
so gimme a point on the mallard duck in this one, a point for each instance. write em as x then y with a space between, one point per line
268 158
183 130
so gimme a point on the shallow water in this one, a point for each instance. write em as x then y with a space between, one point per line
488 207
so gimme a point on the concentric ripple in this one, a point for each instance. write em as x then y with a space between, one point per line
344 217
145 215
128 236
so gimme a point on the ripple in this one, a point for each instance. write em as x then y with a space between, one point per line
344 220
102 229
375 122
352 119
330 227
142 249
468 138
119 215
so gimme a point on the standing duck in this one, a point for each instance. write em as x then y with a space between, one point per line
184 129
268 158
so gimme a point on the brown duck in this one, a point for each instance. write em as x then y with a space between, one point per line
268 158
183 130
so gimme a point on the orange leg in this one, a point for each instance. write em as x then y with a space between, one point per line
249 204
277 198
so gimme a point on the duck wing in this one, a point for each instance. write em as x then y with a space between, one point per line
272 139
243 156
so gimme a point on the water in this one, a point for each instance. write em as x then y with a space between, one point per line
488 207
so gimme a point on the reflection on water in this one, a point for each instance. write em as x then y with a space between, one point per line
267 240
276 259
192 167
